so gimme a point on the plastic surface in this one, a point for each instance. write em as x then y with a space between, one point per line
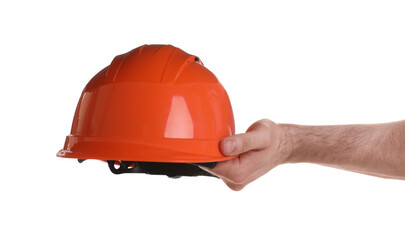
155 103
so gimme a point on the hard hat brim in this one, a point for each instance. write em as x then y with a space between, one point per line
145 150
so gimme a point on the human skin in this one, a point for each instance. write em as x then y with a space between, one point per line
373 149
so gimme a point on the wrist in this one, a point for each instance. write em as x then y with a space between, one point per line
291 142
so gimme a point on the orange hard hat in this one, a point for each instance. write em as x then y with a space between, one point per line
154 109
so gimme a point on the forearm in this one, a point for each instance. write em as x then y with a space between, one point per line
375 149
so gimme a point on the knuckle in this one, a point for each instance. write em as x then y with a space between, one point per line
266 123
245 143
269 129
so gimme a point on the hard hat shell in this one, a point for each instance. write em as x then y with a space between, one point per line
155 103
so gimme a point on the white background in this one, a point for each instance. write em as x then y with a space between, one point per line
304 62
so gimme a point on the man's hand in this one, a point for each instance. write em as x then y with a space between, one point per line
373 149
264 146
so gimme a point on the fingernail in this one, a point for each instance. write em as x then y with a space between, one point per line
229 147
